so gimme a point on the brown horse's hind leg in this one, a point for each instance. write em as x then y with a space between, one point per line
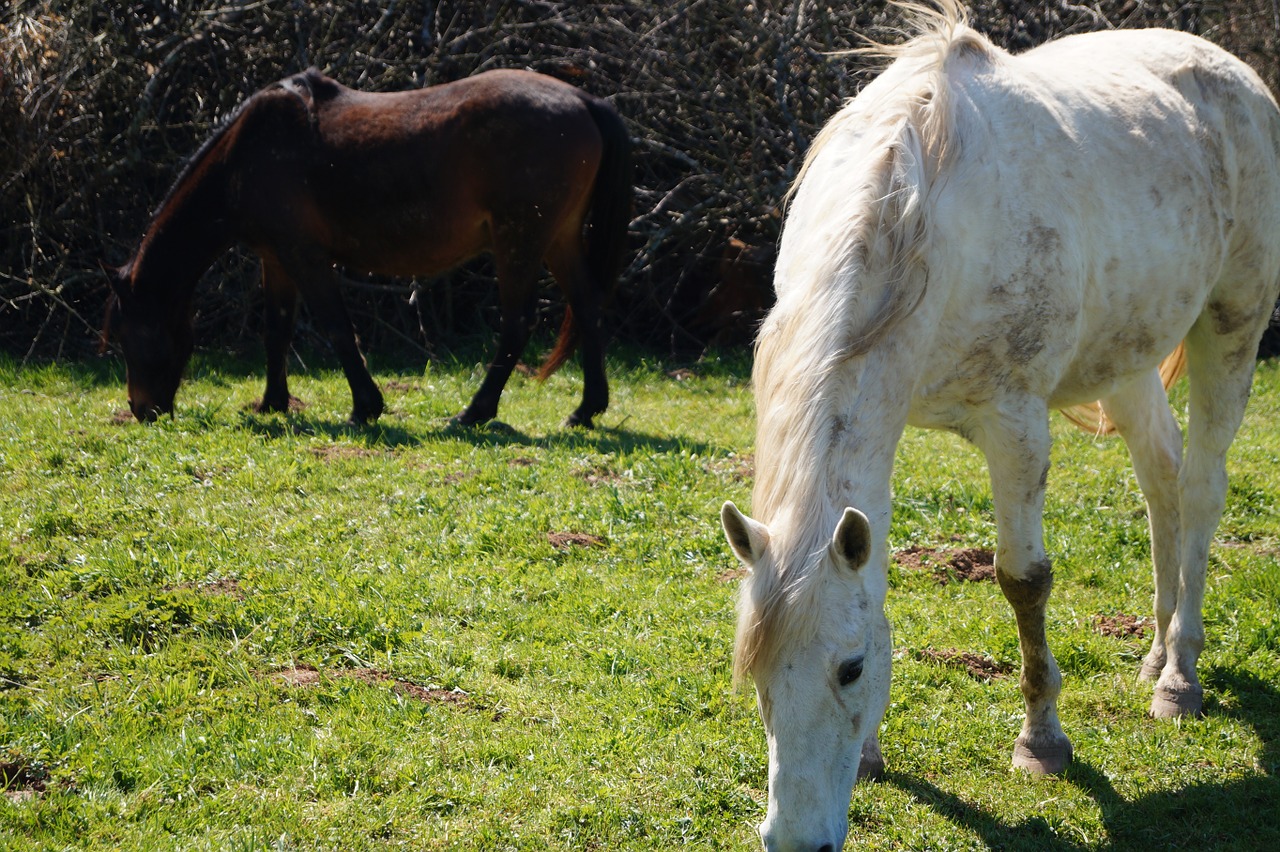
516 288
571 271
319 286
280 301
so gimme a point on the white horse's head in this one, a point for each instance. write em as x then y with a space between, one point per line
815 641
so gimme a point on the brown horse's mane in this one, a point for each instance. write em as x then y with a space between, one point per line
203 151
311 86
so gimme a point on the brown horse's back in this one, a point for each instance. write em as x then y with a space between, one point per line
415 182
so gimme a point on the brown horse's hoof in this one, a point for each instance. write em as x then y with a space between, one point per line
365 416
870 770
265 407
1169 703
467 419
1046 759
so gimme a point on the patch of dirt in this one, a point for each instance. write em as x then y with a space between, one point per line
522 461
977 666
334 452
566 540
968 565
734 468
1121 626
682 375
20 777
295 406
308 676
401 386
222 586
602 476
733 575
121 416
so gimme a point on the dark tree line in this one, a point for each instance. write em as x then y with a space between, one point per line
102 102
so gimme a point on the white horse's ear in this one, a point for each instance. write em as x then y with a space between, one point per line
747 537
851 542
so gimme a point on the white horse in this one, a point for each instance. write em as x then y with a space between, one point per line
978 238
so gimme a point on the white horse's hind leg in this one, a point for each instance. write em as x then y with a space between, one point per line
1220 362
1140 412
1016 445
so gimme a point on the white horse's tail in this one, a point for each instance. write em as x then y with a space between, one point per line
1091 418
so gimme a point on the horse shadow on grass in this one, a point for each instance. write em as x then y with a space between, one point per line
495 434
1233 815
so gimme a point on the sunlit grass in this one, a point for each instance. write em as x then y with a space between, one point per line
518 637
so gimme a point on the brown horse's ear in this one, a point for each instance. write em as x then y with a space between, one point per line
118 279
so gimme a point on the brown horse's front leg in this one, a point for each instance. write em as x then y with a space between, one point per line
319 286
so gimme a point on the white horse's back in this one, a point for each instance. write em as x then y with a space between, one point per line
1105 191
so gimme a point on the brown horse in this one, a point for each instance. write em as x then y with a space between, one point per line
311 174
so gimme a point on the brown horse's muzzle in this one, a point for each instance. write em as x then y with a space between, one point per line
146 408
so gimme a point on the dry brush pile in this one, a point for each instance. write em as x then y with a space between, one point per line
102 102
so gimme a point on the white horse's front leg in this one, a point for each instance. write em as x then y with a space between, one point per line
1016 444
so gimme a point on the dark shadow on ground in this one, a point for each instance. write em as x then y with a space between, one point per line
1240 815
604 440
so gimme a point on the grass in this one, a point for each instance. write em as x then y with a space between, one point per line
233 631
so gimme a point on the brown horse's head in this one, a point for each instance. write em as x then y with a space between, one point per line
157 344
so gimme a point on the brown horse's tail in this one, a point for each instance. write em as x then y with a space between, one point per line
1091 418
607 225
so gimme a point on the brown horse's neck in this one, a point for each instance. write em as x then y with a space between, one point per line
188 232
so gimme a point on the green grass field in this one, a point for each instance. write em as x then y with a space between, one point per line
233 631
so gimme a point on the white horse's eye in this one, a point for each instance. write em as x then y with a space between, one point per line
850 670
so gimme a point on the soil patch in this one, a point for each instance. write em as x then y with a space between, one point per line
335 452
566 540
1121 626
309 676
602 476
968 565
20 777
223 586
736 468
733 575
977 666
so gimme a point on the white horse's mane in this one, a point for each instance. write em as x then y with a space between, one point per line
841 289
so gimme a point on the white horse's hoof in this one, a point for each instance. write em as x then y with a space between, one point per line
1046 759
1169 703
